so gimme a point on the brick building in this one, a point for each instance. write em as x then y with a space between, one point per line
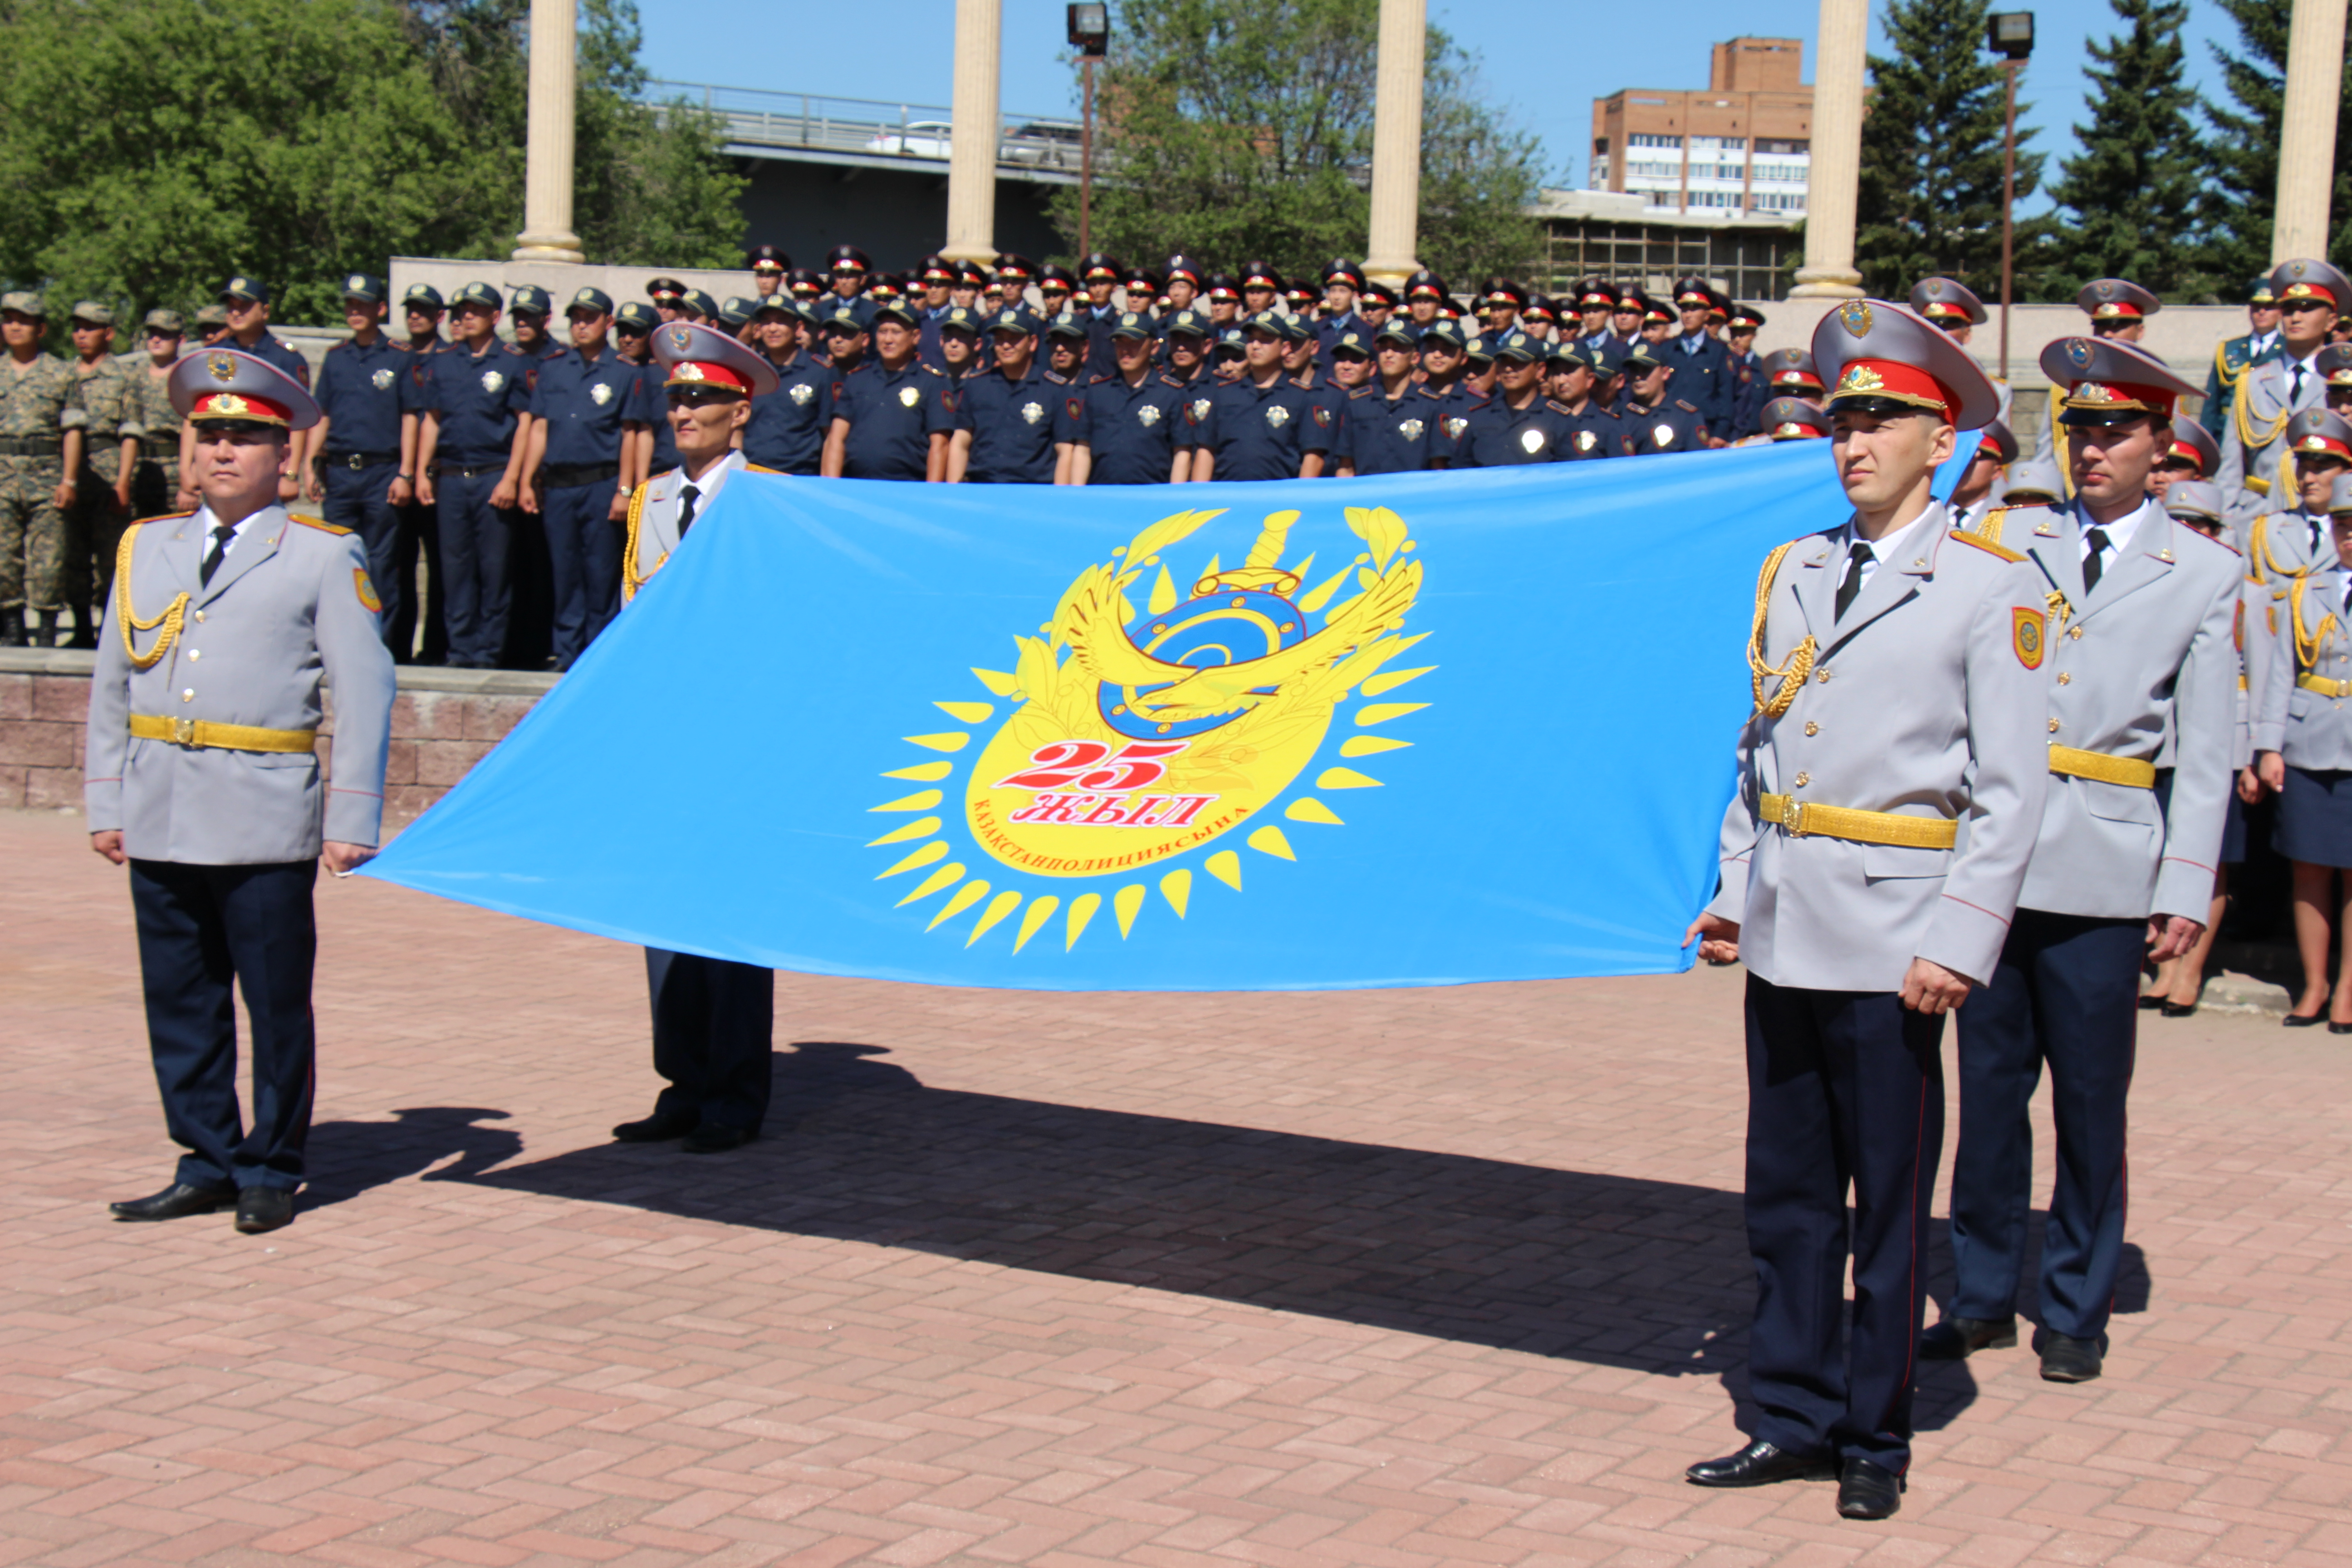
1741 147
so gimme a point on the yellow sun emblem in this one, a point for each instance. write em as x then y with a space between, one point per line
1138 739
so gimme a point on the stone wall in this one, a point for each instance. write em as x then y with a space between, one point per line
443 722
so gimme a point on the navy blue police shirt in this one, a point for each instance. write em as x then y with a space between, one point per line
582 402
1013 426
477 397
1672 427
1503 437
1130 431
1255 432
788 425
363 392
648 405
272 350
1399 434
892 415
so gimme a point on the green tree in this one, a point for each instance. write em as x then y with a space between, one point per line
2133 192
1930 194
1243 129
2241 202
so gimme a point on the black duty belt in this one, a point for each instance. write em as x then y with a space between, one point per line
355 461
31 446
566 476
469 471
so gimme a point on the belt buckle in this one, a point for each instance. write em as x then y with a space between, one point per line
1792 816
183 732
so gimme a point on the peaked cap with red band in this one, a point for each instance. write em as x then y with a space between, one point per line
2316 430
1942 299
1784 368
1794 419
2107 381
224 386
693 355
2192 441
1877 352
2302 277
2117 300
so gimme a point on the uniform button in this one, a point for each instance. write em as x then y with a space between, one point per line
2064 678
194 653
1921 562
200 614
1804 779
1812 728
2075 632
1825 675
189 695
2054 726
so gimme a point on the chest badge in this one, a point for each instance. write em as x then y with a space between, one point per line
382 380
1586 441
1032 412
909 395
601 393
801 392
1200 410
1411 429
1455 426
1277 417
1663 435
1531 441
492 380
1147 415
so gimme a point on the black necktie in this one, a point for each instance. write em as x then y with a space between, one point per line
1855 559
2095 563
686 499
222 534
2294 385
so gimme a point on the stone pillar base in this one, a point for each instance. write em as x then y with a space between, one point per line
1826 283
980 253
1391 269
564 247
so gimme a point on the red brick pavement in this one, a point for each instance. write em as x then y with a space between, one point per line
1396 1278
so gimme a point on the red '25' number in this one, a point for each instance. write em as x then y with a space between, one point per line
1090 765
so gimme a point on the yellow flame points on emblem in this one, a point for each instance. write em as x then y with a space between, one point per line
1004 904
1315 598
953 741
922 772
1345 778
1366 745
923 800
1391 680
1268 840
1307 808
922 827
1382 531
1127 902
936 849
1082 909
966 712
1163 594
1032 920
965 897
945 877
997 680
1381 712
1177 889
1226 867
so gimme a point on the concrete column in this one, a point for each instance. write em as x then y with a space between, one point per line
2315 78
1835 174
546 161
971 153
1395 227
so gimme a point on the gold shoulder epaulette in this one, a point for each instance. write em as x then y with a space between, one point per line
323 527
1986 545
162 517
756 468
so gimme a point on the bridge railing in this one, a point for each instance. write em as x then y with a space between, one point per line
869 127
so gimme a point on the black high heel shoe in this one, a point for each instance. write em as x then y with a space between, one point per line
2298 1021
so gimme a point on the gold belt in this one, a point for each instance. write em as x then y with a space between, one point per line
1803 818
2081 765
2324 687
203 734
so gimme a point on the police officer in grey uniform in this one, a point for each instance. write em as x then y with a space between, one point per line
2142 657
713 1019
1860 912
202 778
2312 295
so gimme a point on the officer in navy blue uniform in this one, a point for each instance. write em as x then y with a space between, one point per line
469 465
1424 298
1569 382
367 433
422 309
575 464
1517 425
890 415
1444 356
1742 324
246 301
847 269
1654 419
1007 419
1394 425
1260 425
842 326
1704 376
1343 283
643 421
1099 275
1329 404
529 312
789 424
1125 433
1184 341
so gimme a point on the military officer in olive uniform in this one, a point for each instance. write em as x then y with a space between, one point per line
713 1019
41 421
2312 295
1862 913
2234 356
97 520
2143 659
148 416
203 778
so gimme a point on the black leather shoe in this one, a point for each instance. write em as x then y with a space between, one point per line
177 1201
655 1128
2151 1002
2069 1360
263 1209
1868 1491
2335 1028
2178 1010
2298 1021
1957 1339
716 1140
1759 1464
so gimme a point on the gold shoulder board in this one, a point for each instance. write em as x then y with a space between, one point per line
321 526
1986 544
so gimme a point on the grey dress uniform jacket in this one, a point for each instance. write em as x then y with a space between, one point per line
2266 394
2151 649
2304 716
2279 549
1924 700
290 611
653 517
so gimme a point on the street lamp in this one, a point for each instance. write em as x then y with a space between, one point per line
1091 36
2009 33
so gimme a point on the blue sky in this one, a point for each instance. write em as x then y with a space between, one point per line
1533 60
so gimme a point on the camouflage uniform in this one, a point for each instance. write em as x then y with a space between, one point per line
38 403
96 527
148 415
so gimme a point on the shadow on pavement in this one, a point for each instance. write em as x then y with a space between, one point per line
347 1158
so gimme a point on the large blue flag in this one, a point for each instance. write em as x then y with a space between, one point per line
1406 731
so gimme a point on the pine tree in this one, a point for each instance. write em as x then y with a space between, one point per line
2242 199
2132 195
1929 199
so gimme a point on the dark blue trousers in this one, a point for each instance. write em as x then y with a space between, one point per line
714 1030
200 929
361 500
2066 991
474 542
583 544
1846 1092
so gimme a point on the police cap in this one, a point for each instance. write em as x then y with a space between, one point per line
1186 324
2117 300
1015 322
1353 343
969 275
1538 308
1948 303
252 290
636 316
1054 278
1182 266
1131 325
595 302
421 297
1643 357
1258 275
531 299
896 310
1785 368
961 320
1746 318
1221 286
2334 364
1232 344
1339 269
1400 332
1425 285
2317 433
804 282
1443 334
1375 292
2111 383
1141 281
2339 497
1101 267
848 259
666 290
780 303
735 310
2034 480
1693 293
1794 419
1518 348
2304 279
363 287
2259 293
695 355
936 269
767 258
2196 500
223 386
1479 348
1013 268
843 320
1503 291
2190 442
1065 325
480 294
1596 294
693 300
1879 357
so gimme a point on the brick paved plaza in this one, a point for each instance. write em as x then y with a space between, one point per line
1384 1279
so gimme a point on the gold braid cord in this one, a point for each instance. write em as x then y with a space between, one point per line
630 581
1995 520
2243 413
1791 676
170 620
2306 647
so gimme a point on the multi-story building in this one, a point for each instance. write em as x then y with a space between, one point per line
1742 148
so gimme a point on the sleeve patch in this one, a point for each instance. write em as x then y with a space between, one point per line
2026 626
366 591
